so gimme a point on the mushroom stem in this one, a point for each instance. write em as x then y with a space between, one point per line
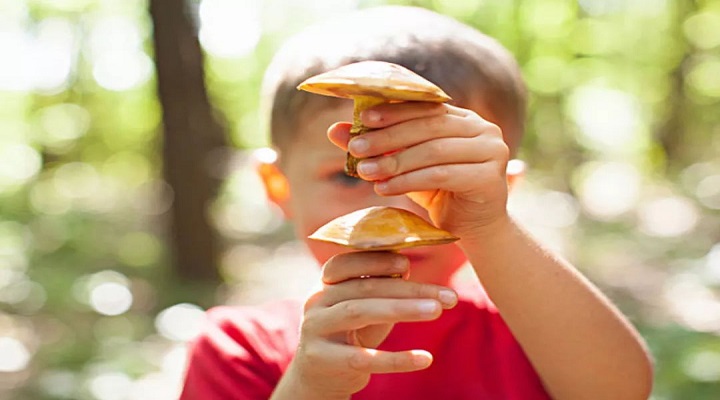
361 103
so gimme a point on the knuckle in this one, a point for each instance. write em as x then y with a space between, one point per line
501 148
390 164
351 310
435 149
313 300
436 123
439 174
358 360
327 268
493 129
308 326
313 353
397 362
366 287
423 291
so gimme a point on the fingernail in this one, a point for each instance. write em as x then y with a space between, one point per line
368 168
358 145
421 360
447 297
371 115
427 306
400 263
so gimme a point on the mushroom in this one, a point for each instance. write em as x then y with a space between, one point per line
381 228
370 83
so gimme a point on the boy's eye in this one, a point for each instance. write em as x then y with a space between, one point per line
343 179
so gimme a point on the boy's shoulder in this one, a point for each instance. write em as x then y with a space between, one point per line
261 325
242 347
269 332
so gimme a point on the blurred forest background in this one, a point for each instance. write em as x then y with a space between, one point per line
128 201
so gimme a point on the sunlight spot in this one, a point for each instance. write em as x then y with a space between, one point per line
120 70
110 298
175 361
15 356
265 155
181 322
110 386
692 303
668 216
63 123
16 47
703 29
702 366
608 119
610 189
229 28
157 386
55 48
708 192
58 383
18 164
712 264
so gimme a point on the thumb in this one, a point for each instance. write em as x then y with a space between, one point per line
339 134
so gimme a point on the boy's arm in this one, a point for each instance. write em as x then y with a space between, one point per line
581 346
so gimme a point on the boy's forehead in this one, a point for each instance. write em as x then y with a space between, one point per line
309 137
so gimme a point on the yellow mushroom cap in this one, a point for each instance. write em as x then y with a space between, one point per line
381 228
376 79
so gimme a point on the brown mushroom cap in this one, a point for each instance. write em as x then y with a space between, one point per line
376 79
381 228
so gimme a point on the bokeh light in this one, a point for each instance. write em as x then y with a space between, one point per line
15 356
110 298
669 216
181 322
18 164
229 28
608 119
609 190
110 386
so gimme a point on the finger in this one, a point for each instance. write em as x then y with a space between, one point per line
387 289
413 132
457 178
385 115
359 313
363 264
341 357
433 152
339 134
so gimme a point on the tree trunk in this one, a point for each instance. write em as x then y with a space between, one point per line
190 135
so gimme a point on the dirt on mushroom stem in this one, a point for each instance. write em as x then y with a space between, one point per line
361 103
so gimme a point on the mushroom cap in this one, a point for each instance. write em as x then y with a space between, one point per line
381 228
377 79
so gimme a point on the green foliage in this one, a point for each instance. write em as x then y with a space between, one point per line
622 142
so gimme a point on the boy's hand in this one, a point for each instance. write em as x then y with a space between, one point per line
447 159
351 315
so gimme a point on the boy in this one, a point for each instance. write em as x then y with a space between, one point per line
548 333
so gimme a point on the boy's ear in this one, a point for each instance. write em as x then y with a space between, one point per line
276 184
515 172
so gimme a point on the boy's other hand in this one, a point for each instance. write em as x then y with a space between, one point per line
353 313
447 159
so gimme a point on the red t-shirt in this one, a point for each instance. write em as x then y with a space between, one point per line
244 351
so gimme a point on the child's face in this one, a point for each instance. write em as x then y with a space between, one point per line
320 191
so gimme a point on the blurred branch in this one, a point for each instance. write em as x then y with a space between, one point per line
191 134
672 132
